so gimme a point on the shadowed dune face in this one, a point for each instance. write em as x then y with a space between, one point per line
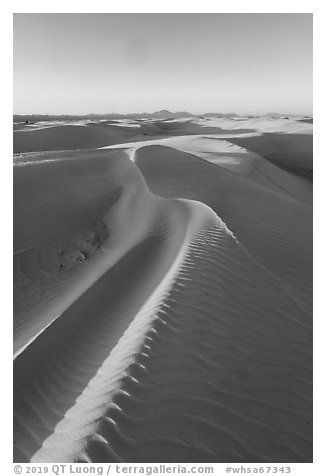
292 152
213 384
68 138
189 127
76 345
308 120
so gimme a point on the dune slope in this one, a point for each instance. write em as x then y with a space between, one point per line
291 152
223 151
162 311
195 378
275 229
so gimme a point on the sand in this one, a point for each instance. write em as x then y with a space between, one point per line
163 291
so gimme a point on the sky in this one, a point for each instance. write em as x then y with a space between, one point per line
126 63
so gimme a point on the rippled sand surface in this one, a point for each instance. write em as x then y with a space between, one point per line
163 292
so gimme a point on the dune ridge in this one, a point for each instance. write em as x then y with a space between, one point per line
274 228
116 416
223 151
102 388
71 136
158 239
56 260
197 403
162 305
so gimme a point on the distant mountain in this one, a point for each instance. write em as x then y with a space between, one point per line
63 117
220 114
163 114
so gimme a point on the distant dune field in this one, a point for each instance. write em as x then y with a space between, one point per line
163 290
61 135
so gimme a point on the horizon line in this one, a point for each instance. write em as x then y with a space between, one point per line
157 111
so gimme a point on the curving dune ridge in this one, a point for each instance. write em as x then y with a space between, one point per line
162 306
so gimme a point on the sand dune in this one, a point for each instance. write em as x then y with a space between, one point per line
223 151
274 228
62 230
60 135
291 152
162 305
68 137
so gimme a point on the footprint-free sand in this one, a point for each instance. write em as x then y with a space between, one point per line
163 291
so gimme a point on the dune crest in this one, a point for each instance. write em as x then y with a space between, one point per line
78 231
162 305
183 360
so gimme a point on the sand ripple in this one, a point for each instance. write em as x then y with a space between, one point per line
191 345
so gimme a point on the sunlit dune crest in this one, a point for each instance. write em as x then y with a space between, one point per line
163 290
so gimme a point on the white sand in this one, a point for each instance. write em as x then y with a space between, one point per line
163 305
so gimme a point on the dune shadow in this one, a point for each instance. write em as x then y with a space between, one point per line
53 371
291 152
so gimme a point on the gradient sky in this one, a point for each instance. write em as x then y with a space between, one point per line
103 63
